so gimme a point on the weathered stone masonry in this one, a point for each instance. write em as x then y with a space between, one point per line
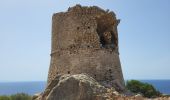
85 40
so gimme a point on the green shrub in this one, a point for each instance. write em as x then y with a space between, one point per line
145 89
19 96
4 97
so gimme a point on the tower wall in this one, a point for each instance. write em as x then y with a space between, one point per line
85 40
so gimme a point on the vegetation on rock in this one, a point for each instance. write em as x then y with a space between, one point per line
19 96
147 90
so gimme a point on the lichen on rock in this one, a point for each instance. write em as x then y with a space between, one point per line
73 87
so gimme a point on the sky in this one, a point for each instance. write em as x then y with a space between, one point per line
25 37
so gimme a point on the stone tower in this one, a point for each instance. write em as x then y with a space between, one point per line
85 40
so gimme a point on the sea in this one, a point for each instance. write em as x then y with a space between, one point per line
31 88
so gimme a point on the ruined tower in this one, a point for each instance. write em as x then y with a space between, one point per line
85 40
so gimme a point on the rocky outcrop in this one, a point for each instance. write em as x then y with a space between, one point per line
84 87
73 87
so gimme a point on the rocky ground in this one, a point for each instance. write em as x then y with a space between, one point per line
84 87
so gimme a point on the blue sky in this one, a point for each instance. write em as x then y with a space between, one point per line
25 37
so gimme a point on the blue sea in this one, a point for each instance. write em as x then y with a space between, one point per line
162 85
8 88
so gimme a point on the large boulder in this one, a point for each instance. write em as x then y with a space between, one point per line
84 87
73 87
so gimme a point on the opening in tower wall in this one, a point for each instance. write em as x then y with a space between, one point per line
106 32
